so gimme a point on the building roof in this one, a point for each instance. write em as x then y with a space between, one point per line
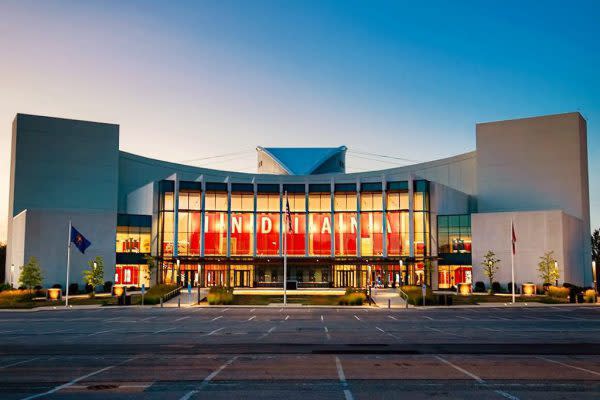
302 160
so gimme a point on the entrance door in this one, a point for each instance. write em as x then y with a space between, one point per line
242 278
346 278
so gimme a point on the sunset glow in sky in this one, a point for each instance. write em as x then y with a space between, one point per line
189 80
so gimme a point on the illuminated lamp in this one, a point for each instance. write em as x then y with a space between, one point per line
118 290
528 289
54 294
464 289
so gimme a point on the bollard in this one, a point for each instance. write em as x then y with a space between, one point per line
389 303
161 306
179 302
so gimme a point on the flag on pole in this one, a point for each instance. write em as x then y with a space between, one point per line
514 238
79 240
288 216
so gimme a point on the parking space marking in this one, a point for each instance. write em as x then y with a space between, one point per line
321 318
74 381
147 318
216 318
209 378
356 316
215 331
164 330
379 329
251 318
392 317
569 365
182 318
327 333
101 332
18 363
429 318
342 378
264 335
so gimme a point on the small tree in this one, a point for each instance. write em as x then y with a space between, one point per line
94 275
31 274
547 268
151 262
490 267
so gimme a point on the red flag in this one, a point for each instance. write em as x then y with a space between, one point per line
514 237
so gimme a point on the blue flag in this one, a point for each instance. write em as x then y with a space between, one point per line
79 240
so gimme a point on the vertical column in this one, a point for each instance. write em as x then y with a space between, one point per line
176 218
332 216
281 219
255 189
358 244
307 224
411 215
202 217
228 252
384 214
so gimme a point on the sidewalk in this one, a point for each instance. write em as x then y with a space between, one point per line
383 296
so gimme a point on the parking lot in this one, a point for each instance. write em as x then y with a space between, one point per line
351 353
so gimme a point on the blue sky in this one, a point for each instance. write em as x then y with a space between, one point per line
396 78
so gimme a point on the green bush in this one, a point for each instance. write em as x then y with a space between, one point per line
353 298
415 295
220 295
589 296
558 292
5 286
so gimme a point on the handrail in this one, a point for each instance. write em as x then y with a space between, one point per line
171 294
404 296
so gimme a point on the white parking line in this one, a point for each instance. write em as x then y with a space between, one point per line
147 318
467 318
164 330
216 318
392 317
342 377
74 381
287 317
215 331
569 365
251 318
253 310
321 318
429 318
182 318
476 378
379 329
101 332
209 378
327 333
264 335
18 363
356 316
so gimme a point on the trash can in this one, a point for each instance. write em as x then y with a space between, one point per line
291 285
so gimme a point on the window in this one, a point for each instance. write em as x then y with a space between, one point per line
319 234
344 202
371 233
398 242
452 275
319 202
454 233
346 226
371 201
242 202
397 201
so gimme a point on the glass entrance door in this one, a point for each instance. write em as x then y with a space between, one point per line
345 276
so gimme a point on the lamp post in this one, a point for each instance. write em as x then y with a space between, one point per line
594 275
12 274
556 267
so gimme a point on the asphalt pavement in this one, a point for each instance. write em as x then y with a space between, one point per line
299 353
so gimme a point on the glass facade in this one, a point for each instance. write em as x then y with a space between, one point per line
454 233
235 237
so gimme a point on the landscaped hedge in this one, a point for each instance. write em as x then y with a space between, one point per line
353 297
154 294
558 292
415 295
220 295
589 296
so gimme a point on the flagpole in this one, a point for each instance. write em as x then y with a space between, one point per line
68 265
512 258
285 252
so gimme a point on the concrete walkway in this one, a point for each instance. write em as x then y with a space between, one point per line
383 296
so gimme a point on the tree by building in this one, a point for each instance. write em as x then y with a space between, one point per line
151 262
94 275
31 274
490 267
548 268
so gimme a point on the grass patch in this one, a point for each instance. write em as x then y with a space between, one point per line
263 300
24 299
153 294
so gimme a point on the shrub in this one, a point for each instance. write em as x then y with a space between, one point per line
107 288
479 287
73 288
57 286
589 296
558 292
496 287
218 295
353 298
89 288
509 288
415 295
5 286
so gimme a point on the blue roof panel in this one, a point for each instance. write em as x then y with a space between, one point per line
302 160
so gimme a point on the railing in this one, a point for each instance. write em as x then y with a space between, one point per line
171 294
404 296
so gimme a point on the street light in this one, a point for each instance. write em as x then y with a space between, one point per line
12 275
556 267
594 275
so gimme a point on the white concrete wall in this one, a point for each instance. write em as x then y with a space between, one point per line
537 232
46 237
16 258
